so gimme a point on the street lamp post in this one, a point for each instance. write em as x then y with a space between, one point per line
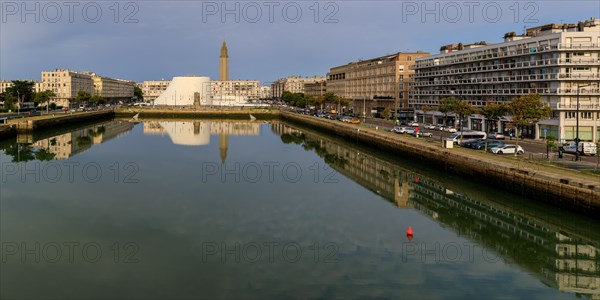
577 127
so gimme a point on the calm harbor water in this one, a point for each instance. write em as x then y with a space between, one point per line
188 209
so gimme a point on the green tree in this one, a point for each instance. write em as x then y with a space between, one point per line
137 93
83 97
385 113
527 110
21 90
96 100
463 109
447 106
44 97
330 98
493 111
427 109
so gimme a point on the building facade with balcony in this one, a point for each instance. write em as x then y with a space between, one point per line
315 89
292 84
243 89
560 62
113 89
377 83
66 84
151 89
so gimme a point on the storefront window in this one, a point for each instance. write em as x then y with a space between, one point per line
585 133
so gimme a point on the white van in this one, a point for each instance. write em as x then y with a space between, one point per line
589 148
467 136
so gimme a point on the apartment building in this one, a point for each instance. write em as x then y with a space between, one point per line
151 89
247 89
560 62
66 84
316 89
113 89
292 84
377 83
265 92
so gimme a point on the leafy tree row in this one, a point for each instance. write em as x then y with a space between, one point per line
23 91
524 110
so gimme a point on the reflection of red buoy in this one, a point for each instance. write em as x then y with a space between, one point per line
410 237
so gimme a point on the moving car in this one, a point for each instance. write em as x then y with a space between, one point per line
507 149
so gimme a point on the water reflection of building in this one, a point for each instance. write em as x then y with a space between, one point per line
197 133
68 144
558 254
566 261
377 175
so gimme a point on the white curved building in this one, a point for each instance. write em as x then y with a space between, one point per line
186 91
188 133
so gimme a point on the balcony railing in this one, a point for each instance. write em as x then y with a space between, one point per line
462 57
507 79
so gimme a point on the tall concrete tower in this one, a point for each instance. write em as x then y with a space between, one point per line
224 64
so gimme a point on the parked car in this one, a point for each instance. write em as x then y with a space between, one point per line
471 143
429 126
345 119
585 148
507 149
413 124
495 136
439 127
354 121
450 129
490 144
398 129
424 133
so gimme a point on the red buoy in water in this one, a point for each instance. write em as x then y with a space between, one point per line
409 231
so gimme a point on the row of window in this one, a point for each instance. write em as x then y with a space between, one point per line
585 115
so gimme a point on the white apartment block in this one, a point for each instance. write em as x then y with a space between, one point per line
243 89
292 84
265 92
113 89
560 62
66 84
151 89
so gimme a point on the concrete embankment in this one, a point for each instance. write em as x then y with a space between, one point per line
50 121
215 113
7 131
579 192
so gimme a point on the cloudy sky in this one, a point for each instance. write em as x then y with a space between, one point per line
144 40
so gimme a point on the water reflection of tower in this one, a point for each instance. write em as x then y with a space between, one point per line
223 141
